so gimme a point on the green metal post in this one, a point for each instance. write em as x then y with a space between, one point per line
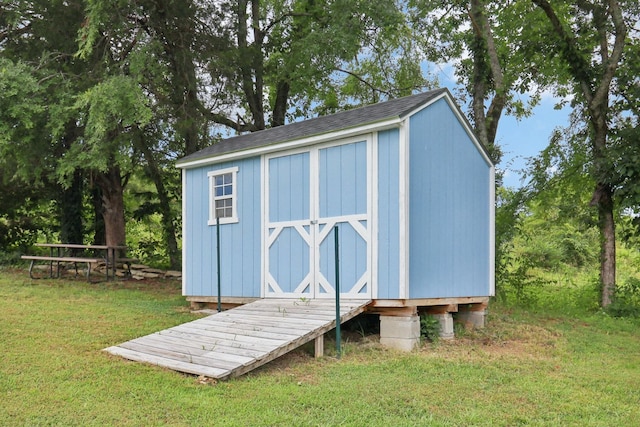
218 259
337 262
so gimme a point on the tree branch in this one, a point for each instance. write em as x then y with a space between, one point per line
363 81
612 62
222 119
5 34
569 50
282 18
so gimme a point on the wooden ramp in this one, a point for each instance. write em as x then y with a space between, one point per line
236 341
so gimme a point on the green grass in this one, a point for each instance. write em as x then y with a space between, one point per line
525 368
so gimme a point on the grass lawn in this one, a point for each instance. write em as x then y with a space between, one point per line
525 368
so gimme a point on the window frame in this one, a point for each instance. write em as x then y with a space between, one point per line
233 197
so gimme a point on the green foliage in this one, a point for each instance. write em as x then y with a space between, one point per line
551 245
19 106
26 213
22 110
113 111
430 327
518 250
518 284
572 290
626 301
546 240
144 237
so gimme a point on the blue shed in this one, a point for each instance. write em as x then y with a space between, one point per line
407 183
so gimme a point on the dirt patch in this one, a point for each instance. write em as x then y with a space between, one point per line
517 340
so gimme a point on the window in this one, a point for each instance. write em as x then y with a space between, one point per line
222 196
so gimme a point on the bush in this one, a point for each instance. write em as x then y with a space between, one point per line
430 327
10 258
626 301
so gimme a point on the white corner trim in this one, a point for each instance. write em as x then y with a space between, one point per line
184 232
492 231
403 199
372 199
264 205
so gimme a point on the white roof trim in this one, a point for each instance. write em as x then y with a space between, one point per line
287 145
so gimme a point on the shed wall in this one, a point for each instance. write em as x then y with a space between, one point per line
240 256
388 239
449 211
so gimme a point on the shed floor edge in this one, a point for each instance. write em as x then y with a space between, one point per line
407 302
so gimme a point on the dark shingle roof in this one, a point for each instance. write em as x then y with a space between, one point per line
395 108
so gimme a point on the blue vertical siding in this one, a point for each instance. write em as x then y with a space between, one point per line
289 260
343 180
240 256
289 198
343 191
388 238
352 260
449 208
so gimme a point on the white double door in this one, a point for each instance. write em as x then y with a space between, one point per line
308 194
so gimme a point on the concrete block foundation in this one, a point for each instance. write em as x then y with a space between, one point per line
446 325
472 316
400 332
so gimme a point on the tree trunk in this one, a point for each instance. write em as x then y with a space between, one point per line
174 24
71 230
280 105
250 61
603 200
99 237
487 77
110 183
603 195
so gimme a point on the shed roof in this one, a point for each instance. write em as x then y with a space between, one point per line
395 108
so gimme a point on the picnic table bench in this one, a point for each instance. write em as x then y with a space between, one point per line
57 255
57 260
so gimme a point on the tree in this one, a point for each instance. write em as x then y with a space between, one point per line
590 38
89 118
112 113
37 38
21 112
281 60
482 40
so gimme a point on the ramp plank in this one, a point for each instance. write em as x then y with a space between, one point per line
236 341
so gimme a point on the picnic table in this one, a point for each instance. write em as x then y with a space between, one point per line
65 252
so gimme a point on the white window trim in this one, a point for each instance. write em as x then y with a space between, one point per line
234 196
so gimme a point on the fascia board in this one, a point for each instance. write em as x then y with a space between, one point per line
287 145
